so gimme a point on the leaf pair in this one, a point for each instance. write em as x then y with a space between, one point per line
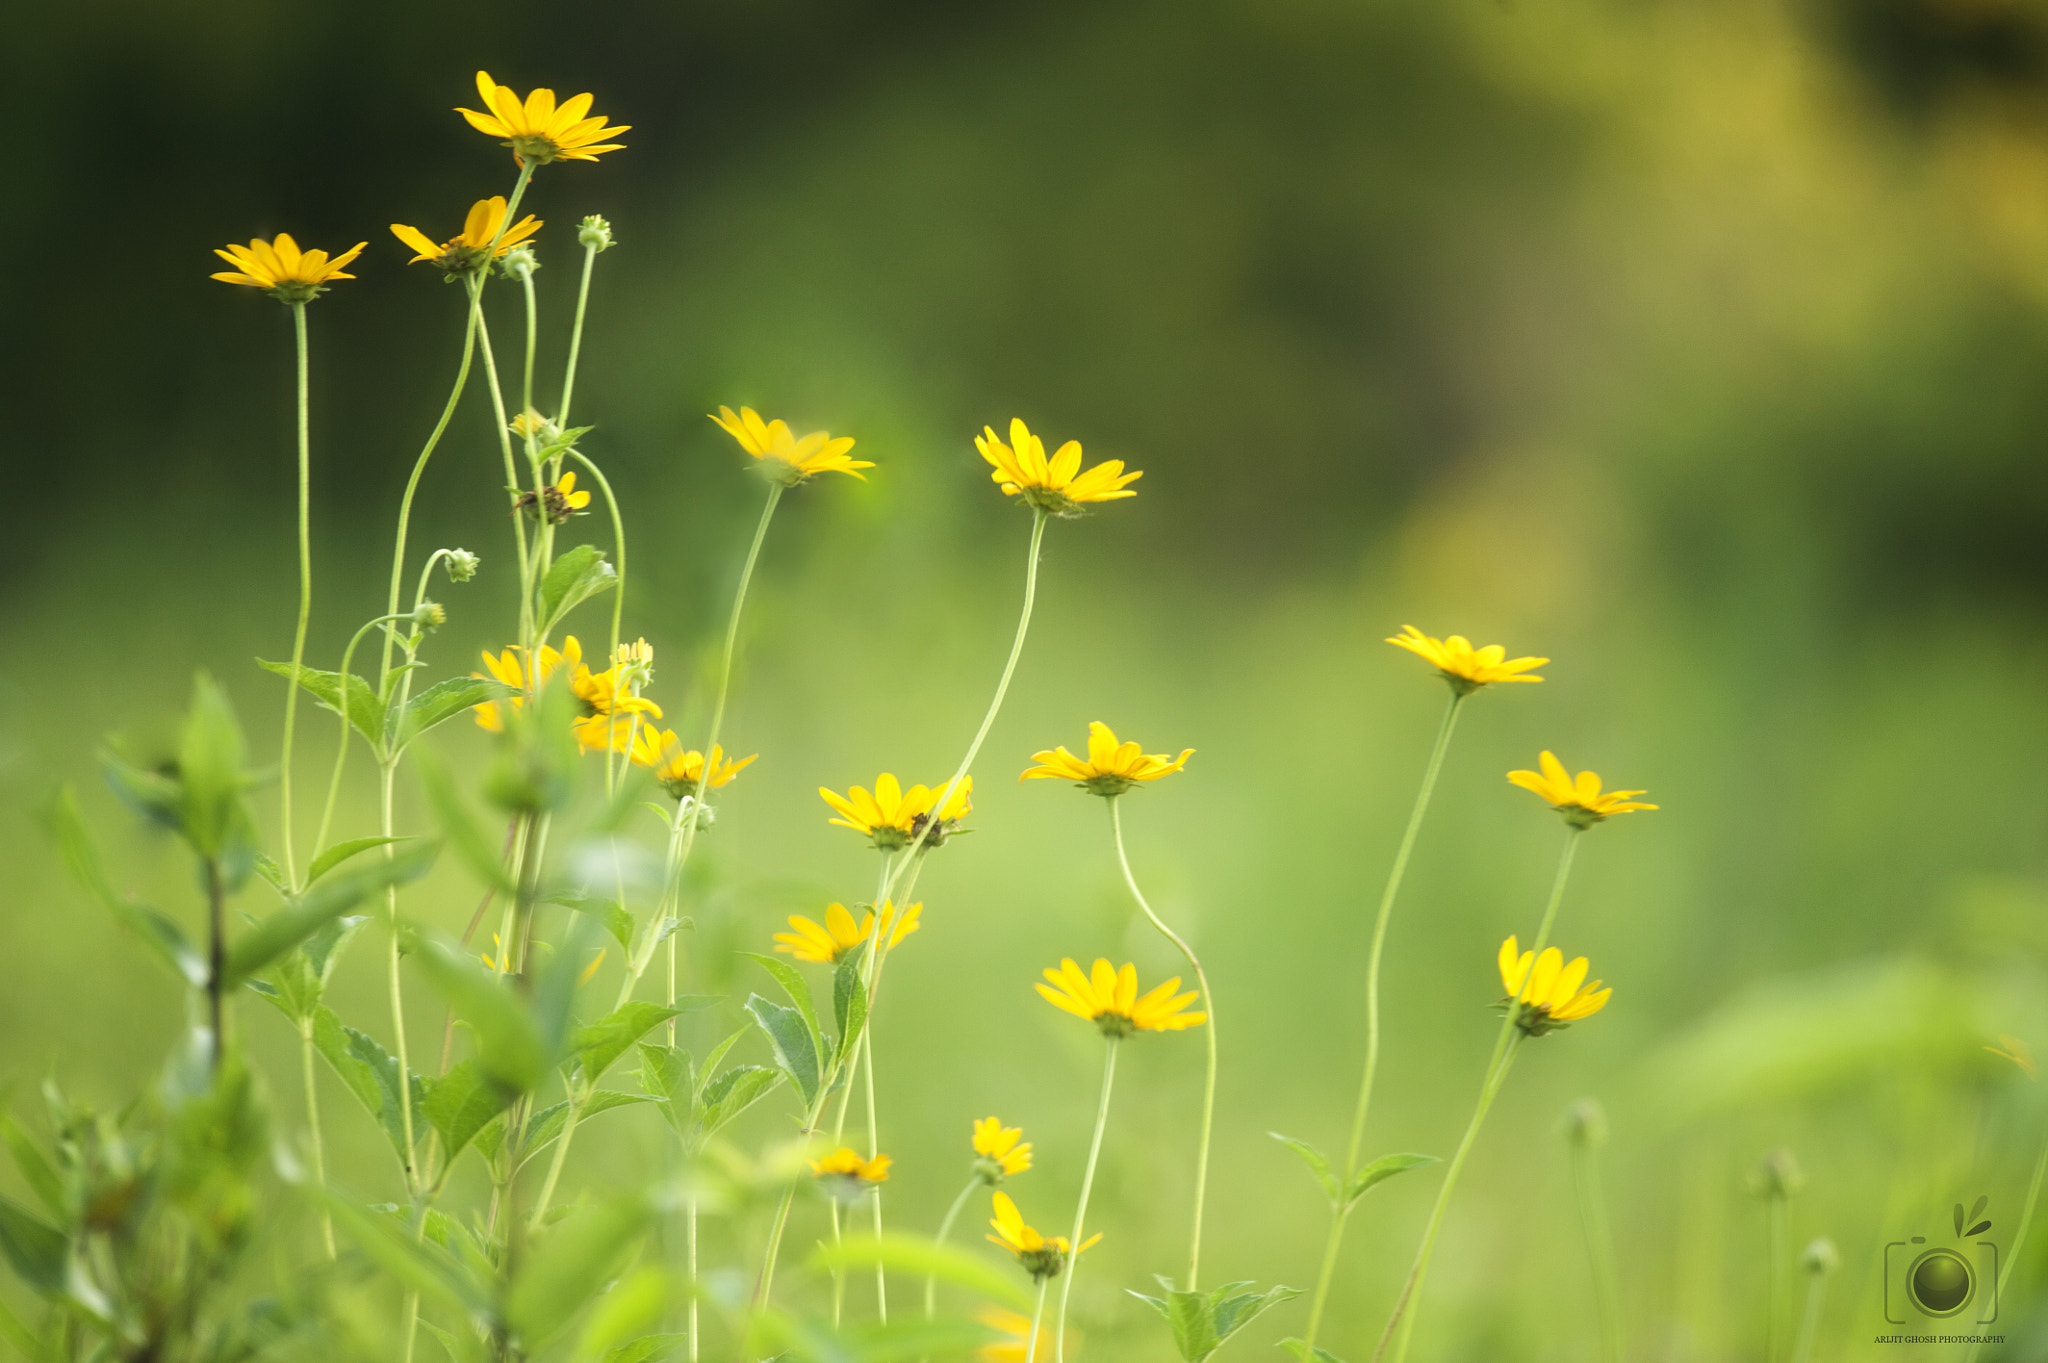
387 726
1202 1322
1364 1181
802 1051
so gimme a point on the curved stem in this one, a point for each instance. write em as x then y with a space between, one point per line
512 484
291 700
1074 1243
931 1282
341 754
1809 1320
1599 1248
1116 826
1037 1318
1564 870
397 994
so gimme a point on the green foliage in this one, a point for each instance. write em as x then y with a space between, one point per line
1362 1182
461 1103
1203 1322
571 1264
512 1049
604 1041
318 907
370 1073
576 576
365 712
166 939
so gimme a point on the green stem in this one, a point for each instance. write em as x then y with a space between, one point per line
341 754
576 336
1809 1320
2019 1239
1774 1216
1059 1337
313 1125
576 1099
512 484
1116 826
392 982
1564 870
1037 1318
291 700
690 1253
1599 1248
619 583
216 958
931 1282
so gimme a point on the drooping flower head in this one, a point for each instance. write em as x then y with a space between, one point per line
1546 994
845 1176
824 943
1110 769
1042 1256
282 270
556 502
1108 997
681 770
784 457
1000 1153
470 249
536 129
894 817
1054 485
1579 799
511 668
1466 668
613 714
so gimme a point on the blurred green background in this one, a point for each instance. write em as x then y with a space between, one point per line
1696 346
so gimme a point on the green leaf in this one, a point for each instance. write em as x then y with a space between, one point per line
850 999
36 1169
574 578
648 1349
317 907
155 795
569 1267
323 949
159 933
917 1256
550 1121
365 715
793 985
341 852
1306 1354
210 759
1382 1169
440 703
484 858
511 1047
34 1248
734 1092
632 1307
604 1041
460 1103
370 1073
794 1040
1317 1163
291 986
419 1263
667 1076
609 912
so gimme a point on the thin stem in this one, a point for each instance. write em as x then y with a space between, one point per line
341 753
619 554
1564 870
1599 1247
1774 1219
1074 1243
576 1101
690 1253
2019 1239
1037 1318
931 1282
512 484
216 957
1809 1319
397 993
291 700
319 1145
874 1147
1116 826
576 336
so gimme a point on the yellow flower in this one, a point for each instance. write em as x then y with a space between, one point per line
893 817
1580 799
1547 994
509 667
1109 999
282 270
681 770
1001 1155
537 130
1042 1256
785 458
1057 484
1015 1341
467 249
610 708
1466 668
845 1176
556 502
1110 769
825 943
2018 1052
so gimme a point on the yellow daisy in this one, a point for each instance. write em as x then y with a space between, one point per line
467 249
845 1176
893 817
784 457
510 667
1001 1155
610 707
1111 769
1042 1256
537 130
556 502
824 943
1547 994
282 270
1109 998
1014 1337
1057 484
681 770
1466 668
1579 799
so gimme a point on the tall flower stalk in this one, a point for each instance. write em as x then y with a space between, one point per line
1059 1327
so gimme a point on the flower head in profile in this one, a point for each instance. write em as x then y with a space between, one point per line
537 129
1108 997
845 1176
1012 1343
613 713
1042 1256
1546 994
1579 798
824 943
679 769
1000 1153
470 249
893 817
784 457
1056 485
1110 769
511 668
1466 668
556 502
282 270
2017 1051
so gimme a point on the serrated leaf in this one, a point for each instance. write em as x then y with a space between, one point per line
323 949
164 937
794 1042
609 912
341 852
733 1092
668 1077
417 1262
440 703
371 1073
793 985
461 1103
291 985
549 1122
210 777
1382 1169
604 1041
365 715
1304 1353
317 907
572 579
850 999
1317 1163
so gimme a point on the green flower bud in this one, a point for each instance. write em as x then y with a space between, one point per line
519 263
1778 1176
595 234
1821 1257
1584 1123
461 565
429 615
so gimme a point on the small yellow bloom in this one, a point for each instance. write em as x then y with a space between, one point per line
1014 1342
1466 668
846 1177
537 130
510 668
590 971
1042 1256
467 250
556 502
893 817
1111 769
1548 994
1580 799
2018 1052
825 943
282 270
498 965
782 455
1001 1155
1056 485
681 770
1109 999
611 710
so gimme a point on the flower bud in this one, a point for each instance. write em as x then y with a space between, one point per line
1778 1176
429 615
519 263
595 234
1584 1124
461 565
1821 1257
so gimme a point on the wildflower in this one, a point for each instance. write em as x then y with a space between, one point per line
781 455
1584 1123
681 770
1014 1340
1547 994
282 270
461 565
1778 1175
429 615
590 971
556 502
1109 999
1580 801
610 706
510 667
531 425
1042 1256
1056 485
1110 769
2018 1052
471 248
497 966
1466 668
1001 1155
825 943
537 130
845 1176
595 234
893 817
1820 1257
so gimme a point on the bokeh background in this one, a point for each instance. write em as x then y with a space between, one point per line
1696 346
